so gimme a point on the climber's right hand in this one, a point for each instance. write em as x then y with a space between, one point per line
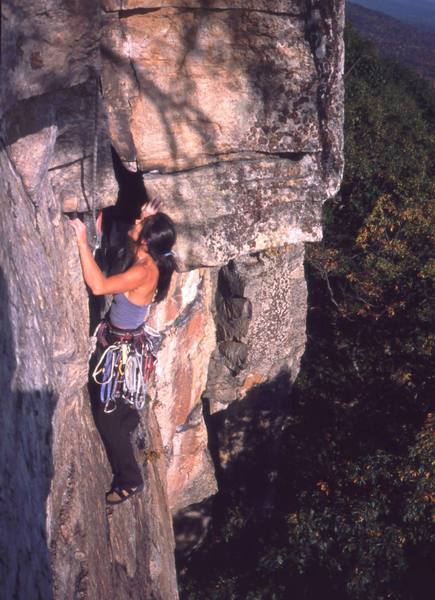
150 208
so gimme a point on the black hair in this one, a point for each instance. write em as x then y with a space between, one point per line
117 249
158 231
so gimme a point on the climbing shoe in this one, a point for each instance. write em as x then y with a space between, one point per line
119 494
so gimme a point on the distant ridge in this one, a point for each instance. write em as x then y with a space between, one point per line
420 13
410 45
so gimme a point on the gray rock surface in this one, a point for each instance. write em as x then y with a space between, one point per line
59 134
57 540
46 45
258 337
259 64
236 208
292 7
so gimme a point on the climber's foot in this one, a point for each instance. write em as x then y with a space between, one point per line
119 494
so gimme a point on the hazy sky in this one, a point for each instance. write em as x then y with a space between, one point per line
412 11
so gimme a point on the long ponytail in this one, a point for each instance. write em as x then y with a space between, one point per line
159 233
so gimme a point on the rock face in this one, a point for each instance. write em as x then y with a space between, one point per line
57 541
238 109
258 64
232 112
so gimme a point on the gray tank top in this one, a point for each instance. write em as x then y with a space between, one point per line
125 314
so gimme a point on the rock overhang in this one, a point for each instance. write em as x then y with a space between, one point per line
232 111
234 209
278 6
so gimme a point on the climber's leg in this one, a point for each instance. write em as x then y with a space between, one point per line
115 429
102 427
128 470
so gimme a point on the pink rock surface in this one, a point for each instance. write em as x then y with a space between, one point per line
212 84
181 375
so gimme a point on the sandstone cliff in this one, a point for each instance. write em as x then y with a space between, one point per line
232 113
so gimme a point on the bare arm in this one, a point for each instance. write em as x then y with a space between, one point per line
100 284
137 275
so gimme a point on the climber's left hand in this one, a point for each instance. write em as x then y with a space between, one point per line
80 231
99 224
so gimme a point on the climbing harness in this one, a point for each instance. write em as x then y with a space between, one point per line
126 365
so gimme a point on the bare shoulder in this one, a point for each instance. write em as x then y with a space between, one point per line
147 263
148 267
144 293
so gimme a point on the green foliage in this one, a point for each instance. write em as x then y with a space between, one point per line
362 524
355 487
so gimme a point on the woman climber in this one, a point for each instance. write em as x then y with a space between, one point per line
126 346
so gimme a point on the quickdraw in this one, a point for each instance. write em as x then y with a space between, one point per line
126 365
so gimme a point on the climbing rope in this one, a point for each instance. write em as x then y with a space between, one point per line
95 151
126 365
94 192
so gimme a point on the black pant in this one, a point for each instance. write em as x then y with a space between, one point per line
115 429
